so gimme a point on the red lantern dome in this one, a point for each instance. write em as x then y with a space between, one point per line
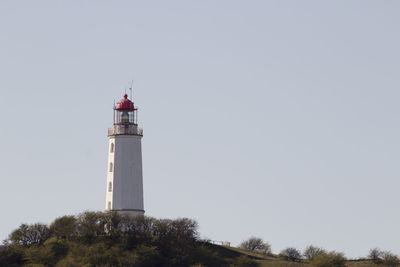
125 119
125 104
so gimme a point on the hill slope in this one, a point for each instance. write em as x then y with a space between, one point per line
109 239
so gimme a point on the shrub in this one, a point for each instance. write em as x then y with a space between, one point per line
331 259
64 227
90 225
136 231
390 259
311 252
207 256
48 254
291 254
11 256
375 255
27 235
110 239
257 245
148 256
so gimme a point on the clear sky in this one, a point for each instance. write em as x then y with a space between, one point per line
277 119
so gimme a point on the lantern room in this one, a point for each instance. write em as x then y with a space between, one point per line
125 112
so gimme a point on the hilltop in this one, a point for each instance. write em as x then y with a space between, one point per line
109 239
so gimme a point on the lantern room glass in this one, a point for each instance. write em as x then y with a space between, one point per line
125 116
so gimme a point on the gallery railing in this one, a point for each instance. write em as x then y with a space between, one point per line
125 129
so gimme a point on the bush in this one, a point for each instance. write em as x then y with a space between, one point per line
11 256
311 252
48 254
148 256
138 230
106 239
331 259
27 235
390 259
290 254
207 256
64 227
257 245
90 225
375 255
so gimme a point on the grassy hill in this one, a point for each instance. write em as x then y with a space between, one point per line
262 260
108 239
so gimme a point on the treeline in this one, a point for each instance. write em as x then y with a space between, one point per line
108 239
319 257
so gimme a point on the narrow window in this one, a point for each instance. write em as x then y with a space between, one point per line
112 148
109 187
109 205
111 167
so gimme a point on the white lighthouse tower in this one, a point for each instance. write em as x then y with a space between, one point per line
124 174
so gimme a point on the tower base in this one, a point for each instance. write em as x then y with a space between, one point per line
130 212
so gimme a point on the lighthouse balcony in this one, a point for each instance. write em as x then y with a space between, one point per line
121 129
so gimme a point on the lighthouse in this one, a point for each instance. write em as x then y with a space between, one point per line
124 190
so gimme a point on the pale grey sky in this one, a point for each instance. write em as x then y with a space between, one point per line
277 119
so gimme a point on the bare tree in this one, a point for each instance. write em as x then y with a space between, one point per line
291 254
390 259
311 252
257 245
375 255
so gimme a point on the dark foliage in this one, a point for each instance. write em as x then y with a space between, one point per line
27 235
11 256
385 258
291 254
390 259
64 227
109 239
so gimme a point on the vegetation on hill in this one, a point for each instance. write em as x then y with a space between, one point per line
109 239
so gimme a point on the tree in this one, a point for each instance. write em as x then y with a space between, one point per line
291 254
375 255
90 225
311 252
27 235
330 259
64 227
257 245
110 239
11 256
137 230
390 259
184 231
178 238
147 256
47 254
113 225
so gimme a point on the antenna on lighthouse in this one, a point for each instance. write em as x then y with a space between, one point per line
114 112
130 88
